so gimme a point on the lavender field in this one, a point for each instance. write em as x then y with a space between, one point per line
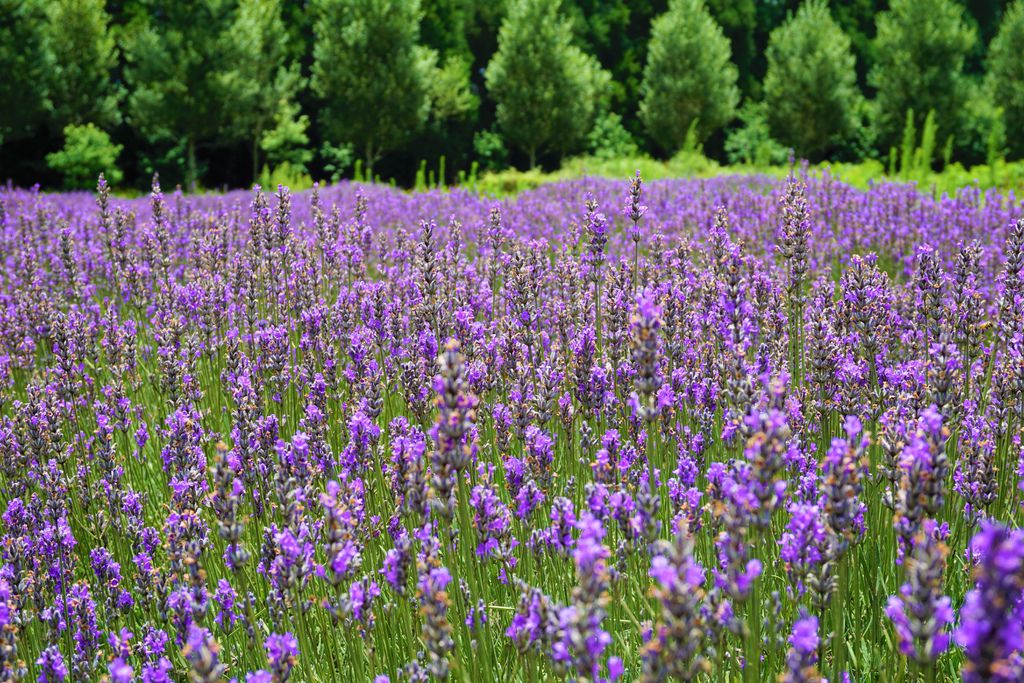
735 429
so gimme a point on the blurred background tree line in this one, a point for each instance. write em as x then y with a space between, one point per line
222 93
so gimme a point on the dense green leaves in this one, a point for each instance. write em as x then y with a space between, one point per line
260 82
87 152
173 58
370 73
85 57
921 47
547 90
231 86
1006 74
25 65
810 89
688 77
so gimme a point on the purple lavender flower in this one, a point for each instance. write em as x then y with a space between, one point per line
674 647
802 657
51 666
921 614
646 347
203 655
432 595
924 466
282 654
991 630
844 471
807 548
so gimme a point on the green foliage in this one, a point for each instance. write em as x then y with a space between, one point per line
738 19
87 152
444 27
293 177
1006 74
925 152
921 47
995 143
907 146
85 57
490 150
688 76
609 139
337 158
25 68
547 90
616 33
810 88
287 141
260 83
451 97
857 20
370 73
686 164
171 54
752 142
186 85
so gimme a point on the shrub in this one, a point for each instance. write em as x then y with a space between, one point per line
609 139
810 88
921 46
546 89
752 142
688 76
1006 74
88 151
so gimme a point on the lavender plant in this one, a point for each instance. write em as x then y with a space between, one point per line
740 429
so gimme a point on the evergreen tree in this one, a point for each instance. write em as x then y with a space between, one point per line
810 89
25 68
738 19
443 27
921 46
259 79
173 56
85 56
370 72
547 90
615 33
688 80
1006 74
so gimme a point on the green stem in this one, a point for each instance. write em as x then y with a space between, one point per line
838 621
752 648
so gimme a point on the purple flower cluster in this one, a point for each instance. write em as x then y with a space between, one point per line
597 431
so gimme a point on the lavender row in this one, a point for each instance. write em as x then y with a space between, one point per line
693 430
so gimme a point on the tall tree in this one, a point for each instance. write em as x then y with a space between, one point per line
547 90
443 26
738 19
370 72
857 19
173 54
25 67
85 55
615 33
810 89
1006 74
688 80
259 78
920 48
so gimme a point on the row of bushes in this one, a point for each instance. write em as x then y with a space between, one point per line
150 86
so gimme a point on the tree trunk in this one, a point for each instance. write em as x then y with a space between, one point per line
255 157
190 166
370 158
